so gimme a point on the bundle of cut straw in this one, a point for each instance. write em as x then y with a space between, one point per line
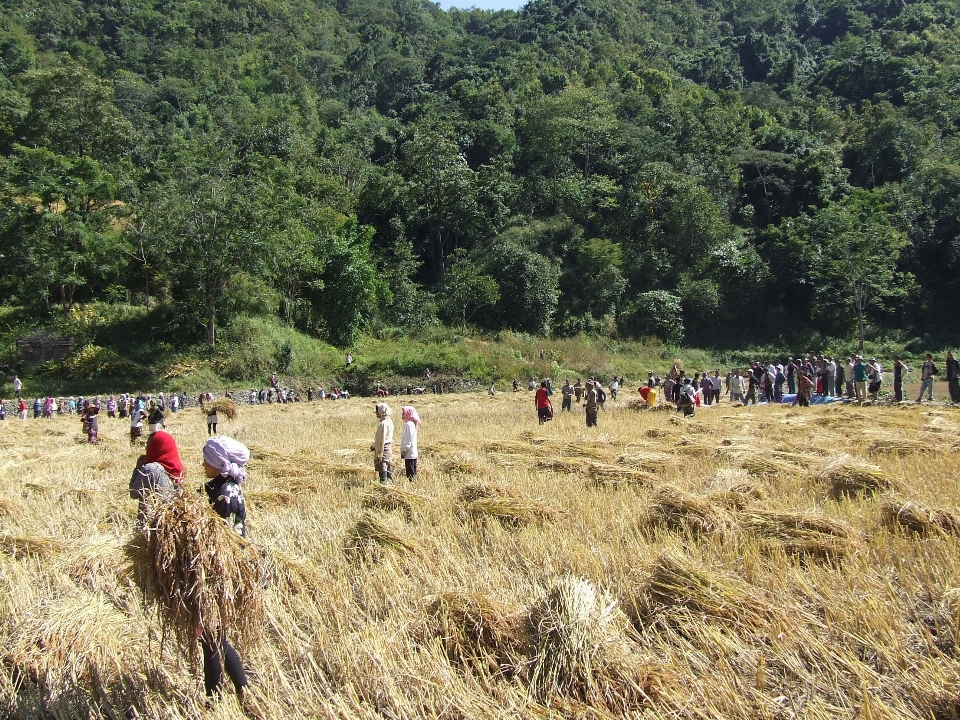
481 491
921 520
682 511
477 631
41 546
898 446
462 464
221 406
616 476
801 533
561 464
650 461
199 572
511 511
675 582
848 476
373 534
580 651
71 639
762 466
388 497
513 447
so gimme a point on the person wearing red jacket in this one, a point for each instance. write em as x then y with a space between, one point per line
542 402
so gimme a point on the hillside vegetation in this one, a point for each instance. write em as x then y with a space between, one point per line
717 174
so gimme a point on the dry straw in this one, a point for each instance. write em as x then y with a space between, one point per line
477 631
916 518
649 461
680 511
373 534
75 638
488 500
40 546
801 533
582 651
220 406
603 475
846 476
199 572
676 582
388 497
898 446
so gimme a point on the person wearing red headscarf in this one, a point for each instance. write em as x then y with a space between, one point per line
158 472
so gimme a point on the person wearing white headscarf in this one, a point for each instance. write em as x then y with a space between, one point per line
224 461
408 439
383 444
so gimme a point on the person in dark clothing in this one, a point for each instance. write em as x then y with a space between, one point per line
953 377
224 463
898 369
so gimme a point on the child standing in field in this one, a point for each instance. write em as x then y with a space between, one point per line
408 440
382 446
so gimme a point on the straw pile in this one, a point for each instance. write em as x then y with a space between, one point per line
512 512
512 447
75 638
683 512
298 576
561 464
649 461
462 464
584 450
199 572
846 476
40 546
221 406
482 500
897 446
271 498
388 497
801 533
916 518
604 475
676 584
581 650
477 631
374 534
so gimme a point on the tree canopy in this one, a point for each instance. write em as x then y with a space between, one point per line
708 172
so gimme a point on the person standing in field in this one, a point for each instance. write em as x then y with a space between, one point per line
541 402
591 405
137 415
578 391
860 379
408 440
382 446
212 418
899 368
567 394
953 377
805 390
614 388
928 371
224 464
17 386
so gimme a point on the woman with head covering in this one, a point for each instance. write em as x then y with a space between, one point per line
224 462
158 471
408 440
383 444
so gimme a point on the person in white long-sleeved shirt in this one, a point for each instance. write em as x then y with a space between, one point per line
408 440
382 446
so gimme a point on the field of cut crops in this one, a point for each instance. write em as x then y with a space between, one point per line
761 562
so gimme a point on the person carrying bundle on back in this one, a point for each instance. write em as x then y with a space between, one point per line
171 523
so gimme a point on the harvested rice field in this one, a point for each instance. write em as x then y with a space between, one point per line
761 562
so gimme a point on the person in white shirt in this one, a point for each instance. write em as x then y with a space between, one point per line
408 440
736 387
382 446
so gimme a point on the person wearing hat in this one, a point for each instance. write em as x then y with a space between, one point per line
382 446
591 404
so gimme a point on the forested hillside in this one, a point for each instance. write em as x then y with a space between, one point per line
712 172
